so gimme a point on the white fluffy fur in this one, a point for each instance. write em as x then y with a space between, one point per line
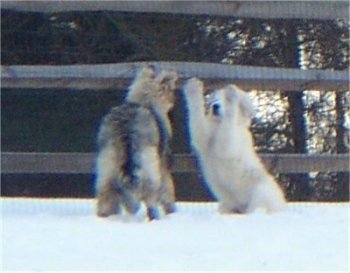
224 145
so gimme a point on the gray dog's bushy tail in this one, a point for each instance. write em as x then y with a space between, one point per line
131 165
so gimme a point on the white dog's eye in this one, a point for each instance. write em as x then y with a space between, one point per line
213 104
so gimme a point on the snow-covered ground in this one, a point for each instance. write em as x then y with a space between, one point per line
63 234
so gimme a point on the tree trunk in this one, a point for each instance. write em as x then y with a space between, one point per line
299 188
342 182
299 184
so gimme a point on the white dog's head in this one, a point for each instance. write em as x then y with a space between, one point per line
230 102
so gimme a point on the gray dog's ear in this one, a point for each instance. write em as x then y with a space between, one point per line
243 100
146 72
168 78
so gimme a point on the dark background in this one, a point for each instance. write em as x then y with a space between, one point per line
58 120
48 120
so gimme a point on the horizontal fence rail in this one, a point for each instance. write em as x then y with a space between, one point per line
311 9
106 76
83 163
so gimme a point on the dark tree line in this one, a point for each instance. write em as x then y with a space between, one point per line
298 121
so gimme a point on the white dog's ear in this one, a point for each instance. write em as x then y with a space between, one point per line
246 106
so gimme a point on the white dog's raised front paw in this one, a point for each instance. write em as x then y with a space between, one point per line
194 86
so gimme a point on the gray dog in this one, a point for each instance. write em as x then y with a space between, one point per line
132 165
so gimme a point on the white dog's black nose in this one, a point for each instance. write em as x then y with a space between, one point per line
216 109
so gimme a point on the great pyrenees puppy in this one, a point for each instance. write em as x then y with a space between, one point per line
220 136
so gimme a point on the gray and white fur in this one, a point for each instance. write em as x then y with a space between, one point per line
132 162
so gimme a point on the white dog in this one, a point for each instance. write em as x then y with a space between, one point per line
220 135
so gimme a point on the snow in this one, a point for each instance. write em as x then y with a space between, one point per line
63 234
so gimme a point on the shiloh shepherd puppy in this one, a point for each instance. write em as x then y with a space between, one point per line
133 138
221 137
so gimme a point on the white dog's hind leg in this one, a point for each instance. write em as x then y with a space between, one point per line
224 208
267 195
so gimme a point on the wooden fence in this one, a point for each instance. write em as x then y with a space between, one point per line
116 75
83 163
310 9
